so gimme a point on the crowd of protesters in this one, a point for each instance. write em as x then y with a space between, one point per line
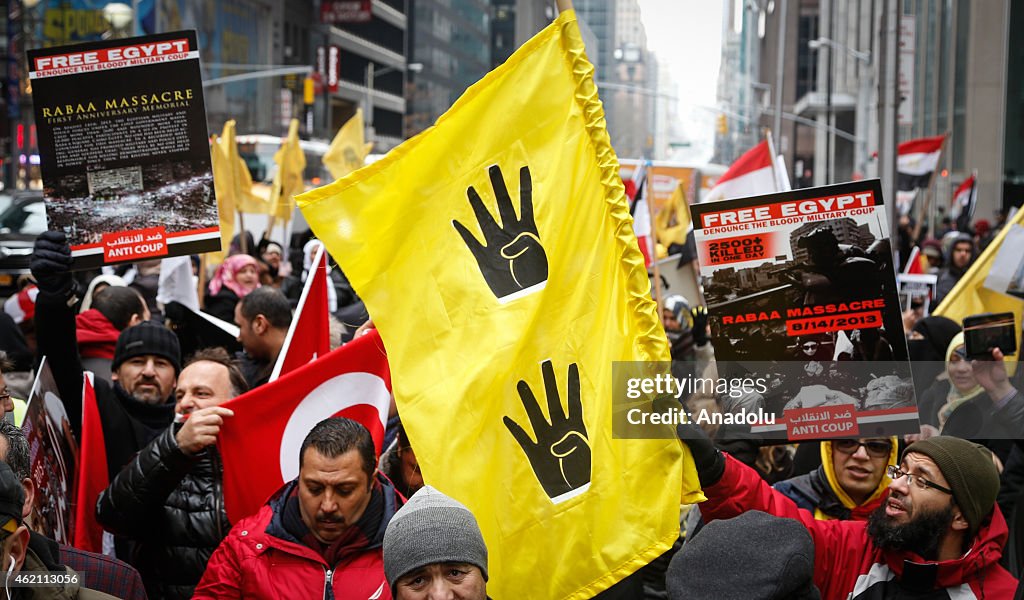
933 515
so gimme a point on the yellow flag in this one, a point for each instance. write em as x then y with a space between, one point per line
970 296
347 150
288 182
496 254
241 179
673 220
223 184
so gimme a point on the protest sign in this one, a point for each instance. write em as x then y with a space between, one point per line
53 457
123 148
917 291
802 295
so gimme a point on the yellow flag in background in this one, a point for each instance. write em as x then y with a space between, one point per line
496 255
347 150
223 178
241 179
970 296
673 220
288 182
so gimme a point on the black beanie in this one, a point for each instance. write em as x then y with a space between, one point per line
755 556
147 338
968 469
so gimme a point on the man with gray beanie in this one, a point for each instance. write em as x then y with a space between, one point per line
433 549
939 534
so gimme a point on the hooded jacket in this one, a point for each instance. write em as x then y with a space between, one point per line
847 564
820 493
259 560
951 274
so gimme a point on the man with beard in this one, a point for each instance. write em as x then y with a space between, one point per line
938 536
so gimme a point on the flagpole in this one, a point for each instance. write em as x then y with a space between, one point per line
202 279
563 5
926 212
771 152
242 242
649 200
279 363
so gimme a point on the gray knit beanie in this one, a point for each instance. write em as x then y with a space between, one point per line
432 528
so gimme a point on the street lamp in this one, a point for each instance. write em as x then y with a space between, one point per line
371 74
862 101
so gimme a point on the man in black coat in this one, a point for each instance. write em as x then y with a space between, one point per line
138 405
169 500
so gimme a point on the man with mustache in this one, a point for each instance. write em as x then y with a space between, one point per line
939 535
319 536
169 499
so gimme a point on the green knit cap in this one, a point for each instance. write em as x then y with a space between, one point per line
969 470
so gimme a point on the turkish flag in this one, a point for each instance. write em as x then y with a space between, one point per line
260 443
309 335
92 476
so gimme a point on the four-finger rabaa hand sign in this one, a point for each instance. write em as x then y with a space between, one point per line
511 257
561 455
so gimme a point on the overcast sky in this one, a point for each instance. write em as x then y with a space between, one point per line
686 36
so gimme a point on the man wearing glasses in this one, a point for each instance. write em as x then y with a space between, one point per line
938 535
850 483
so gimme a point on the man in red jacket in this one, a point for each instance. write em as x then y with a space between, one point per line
321 535
939 535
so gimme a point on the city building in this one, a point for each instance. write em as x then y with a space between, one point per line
451 42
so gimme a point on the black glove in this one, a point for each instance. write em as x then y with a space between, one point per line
709 460
51 264
700 325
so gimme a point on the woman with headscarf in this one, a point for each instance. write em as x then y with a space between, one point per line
927 344
235 277
98 284
946 395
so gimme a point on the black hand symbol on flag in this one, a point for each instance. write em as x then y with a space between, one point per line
561 455
511 258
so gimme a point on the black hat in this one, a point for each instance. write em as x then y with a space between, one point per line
728 559
12 499
147 338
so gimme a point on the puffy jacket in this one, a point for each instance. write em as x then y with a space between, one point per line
172 505
848 566
259 559
819 491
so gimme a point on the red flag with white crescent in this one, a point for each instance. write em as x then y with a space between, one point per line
260 443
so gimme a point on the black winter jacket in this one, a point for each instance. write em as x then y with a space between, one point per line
128 424
172 506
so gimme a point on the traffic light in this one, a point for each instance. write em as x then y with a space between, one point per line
723 124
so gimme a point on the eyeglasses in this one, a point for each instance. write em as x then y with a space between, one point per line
895 473
875 449
810 345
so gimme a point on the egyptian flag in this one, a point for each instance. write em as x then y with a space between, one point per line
92 477
752 174
636 192
309 336
916 161
260 443
964 201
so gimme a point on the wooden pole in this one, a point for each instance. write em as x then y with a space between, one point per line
202 279
242 240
